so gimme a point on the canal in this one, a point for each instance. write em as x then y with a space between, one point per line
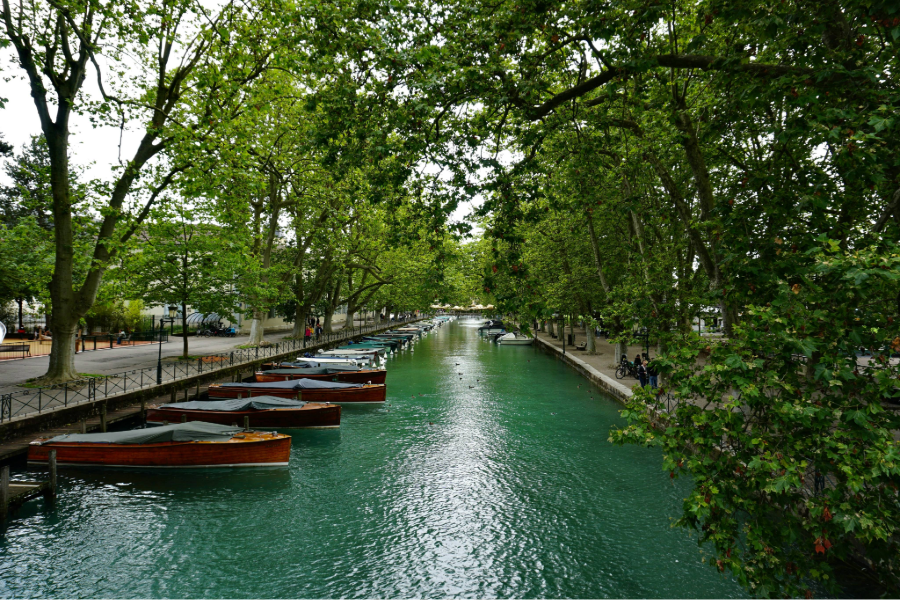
487 474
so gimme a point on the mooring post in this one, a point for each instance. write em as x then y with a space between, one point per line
183 418
103 417
4 491
84 425
143 409
185 394
197 397
246 423
174 399
52 493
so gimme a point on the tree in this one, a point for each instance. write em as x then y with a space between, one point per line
184 259
175 45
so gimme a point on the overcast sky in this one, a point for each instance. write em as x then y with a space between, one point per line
95 149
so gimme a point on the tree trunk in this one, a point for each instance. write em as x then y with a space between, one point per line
348 322
591 342
62 349
621 350
184 331
64 317
256 328
326 321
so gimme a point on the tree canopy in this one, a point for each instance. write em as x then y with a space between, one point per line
633 164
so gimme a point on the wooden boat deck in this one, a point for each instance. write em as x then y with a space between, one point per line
18 445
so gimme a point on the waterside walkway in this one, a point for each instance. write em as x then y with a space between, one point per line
599 368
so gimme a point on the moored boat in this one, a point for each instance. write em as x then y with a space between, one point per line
515 339
347 365
352 352
194 444
326 374
261 411
362 359
492 326
309 390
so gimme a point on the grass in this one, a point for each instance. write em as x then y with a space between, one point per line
34 382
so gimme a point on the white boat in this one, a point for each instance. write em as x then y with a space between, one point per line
515 339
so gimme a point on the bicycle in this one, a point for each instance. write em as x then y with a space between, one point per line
626 368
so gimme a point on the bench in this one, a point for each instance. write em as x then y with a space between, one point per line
25 349
581 346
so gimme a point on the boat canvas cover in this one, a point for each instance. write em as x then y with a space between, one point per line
294 384
258 403
330 370
314 364
194 431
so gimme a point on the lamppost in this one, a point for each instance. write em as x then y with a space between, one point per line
162 324
646 335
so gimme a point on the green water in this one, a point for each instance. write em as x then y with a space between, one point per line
497 481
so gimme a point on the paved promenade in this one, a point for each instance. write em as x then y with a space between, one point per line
122 358
603 360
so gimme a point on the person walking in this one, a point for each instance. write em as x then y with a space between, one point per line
653 374
307 334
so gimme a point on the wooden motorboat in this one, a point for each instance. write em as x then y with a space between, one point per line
357 346
304 363
353 353
261 411
309 390
194 444
328 374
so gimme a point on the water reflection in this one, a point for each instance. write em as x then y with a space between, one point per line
484 474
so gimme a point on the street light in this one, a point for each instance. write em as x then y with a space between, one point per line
162 324
646 336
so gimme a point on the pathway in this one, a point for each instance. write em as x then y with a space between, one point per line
121 358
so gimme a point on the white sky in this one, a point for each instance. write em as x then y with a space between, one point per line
95 149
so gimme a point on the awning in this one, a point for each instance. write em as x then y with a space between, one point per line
203 318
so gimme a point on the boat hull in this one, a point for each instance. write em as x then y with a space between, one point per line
368 394
261 452
311 416
367 376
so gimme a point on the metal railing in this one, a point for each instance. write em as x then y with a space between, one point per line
89 389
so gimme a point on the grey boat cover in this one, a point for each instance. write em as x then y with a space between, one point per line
314 364
310 370
258 403
194 431
294 384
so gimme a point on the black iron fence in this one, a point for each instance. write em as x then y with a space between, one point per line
35 401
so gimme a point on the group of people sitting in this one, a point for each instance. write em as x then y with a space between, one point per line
645 369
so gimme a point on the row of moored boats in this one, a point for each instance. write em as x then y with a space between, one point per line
224 430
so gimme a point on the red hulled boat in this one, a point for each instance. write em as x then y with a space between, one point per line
194 444
328 374
308 390
262 411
